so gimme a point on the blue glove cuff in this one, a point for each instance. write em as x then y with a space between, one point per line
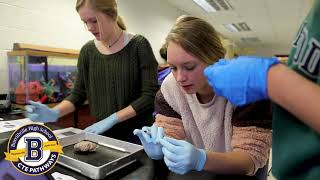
267 63
56 114
202 160
113 118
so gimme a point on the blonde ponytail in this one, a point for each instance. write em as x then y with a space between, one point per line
121 23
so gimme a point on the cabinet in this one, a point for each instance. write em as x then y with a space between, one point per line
81 118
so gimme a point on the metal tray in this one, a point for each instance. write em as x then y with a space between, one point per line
110 156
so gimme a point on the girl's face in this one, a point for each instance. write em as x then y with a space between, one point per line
187 70
98 23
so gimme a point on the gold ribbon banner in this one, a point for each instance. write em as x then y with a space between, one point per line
52 146
14 155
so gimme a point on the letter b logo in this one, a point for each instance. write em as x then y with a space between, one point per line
33 149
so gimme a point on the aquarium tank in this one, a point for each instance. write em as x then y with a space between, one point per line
40 76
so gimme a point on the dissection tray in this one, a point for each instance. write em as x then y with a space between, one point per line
110 156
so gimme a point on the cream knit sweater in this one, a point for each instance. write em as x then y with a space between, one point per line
209 126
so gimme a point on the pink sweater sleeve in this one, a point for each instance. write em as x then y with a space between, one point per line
255 141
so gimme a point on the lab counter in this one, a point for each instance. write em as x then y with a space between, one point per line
143 169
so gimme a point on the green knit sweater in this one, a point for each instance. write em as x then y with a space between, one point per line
112 82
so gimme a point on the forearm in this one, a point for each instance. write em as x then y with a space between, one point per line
229 163
126 113
296 94
65 107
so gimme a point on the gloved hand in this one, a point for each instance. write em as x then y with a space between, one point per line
181 156
242 80
103 125
150 137
41 113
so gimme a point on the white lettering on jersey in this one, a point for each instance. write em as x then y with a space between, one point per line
307 55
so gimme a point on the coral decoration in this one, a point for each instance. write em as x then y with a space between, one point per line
33 88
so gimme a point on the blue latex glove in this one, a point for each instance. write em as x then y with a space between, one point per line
41 113
181 156
156 132
103 125
242 80
150 137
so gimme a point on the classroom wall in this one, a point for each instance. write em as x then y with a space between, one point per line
56 23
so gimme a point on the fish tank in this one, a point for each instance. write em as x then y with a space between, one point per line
40 76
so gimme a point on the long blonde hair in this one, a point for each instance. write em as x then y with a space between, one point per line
197 37
108 7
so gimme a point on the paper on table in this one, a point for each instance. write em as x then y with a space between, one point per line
62 133
14 124
59 176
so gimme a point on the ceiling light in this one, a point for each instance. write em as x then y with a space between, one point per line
250 40
231 27
205 5
244 26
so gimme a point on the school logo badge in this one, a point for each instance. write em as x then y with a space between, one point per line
33 149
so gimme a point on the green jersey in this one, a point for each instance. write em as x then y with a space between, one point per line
296 147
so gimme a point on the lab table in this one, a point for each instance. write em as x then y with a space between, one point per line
143 169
